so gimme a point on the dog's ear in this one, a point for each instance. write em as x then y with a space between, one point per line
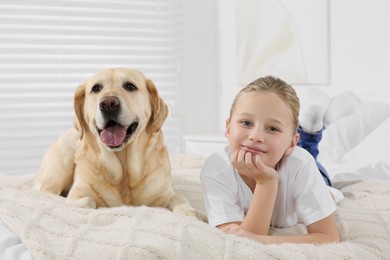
159 108
79 122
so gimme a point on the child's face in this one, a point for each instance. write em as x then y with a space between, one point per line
261 123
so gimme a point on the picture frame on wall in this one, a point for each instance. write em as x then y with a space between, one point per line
285 38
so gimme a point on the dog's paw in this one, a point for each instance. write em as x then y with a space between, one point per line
187 210
85 202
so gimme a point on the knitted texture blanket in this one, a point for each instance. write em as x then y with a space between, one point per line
50 229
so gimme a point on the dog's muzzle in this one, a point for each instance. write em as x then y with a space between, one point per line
114 134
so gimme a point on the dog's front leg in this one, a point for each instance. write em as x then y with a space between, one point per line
81 195
179 204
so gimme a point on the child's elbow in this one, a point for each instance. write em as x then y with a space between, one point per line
336 238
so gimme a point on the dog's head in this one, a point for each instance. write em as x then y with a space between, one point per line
117 105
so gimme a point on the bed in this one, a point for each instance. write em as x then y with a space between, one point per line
355 149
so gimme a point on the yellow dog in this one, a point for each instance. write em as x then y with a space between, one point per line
116 153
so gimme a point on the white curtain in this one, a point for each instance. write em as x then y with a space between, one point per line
48 47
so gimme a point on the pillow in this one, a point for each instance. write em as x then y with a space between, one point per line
348 132
374 148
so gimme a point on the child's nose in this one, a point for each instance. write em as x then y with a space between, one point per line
257 135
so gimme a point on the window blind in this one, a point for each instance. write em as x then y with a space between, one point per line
47 48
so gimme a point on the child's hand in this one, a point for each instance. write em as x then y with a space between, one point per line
242 232
252 166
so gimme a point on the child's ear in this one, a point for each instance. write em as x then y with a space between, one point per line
293 143
227 128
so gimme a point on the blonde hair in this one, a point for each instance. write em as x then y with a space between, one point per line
277 86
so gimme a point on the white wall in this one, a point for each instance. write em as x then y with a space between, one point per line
360 47
199 67
359 62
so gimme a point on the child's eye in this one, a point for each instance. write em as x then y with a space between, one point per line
273 129
246 123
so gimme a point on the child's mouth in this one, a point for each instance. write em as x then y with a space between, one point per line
253 150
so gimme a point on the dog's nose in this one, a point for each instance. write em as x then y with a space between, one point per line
109 104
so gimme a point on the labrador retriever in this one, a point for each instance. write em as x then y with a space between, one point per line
115 154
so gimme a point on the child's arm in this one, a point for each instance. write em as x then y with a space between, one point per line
322 231
258 217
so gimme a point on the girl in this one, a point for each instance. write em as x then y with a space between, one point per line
262 178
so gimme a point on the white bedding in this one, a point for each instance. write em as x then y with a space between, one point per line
358 146
353 149
11 247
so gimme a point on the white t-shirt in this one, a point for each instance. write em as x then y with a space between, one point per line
303 196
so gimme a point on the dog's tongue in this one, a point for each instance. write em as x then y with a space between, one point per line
113 135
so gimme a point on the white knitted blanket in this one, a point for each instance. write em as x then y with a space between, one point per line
52 230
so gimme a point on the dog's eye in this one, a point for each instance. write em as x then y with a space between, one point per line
129 86
96 88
